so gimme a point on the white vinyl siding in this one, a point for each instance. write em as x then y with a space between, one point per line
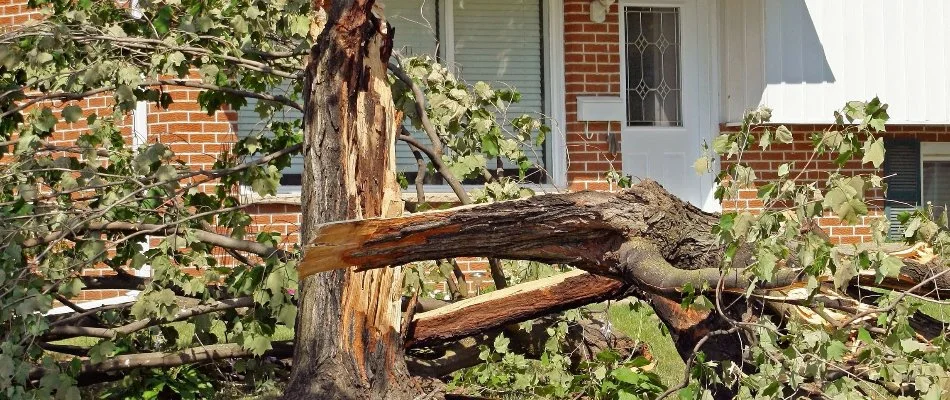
819 54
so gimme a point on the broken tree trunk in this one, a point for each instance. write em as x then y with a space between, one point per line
348 344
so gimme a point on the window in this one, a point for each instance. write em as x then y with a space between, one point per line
918 173
250 122
496 41
652 46
935 178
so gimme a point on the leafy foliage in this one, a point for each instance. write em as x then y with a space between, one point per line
874 354
97 202
473 122
508 374
94 201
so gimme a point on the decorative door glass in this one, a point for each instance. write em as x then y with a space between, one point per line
653 89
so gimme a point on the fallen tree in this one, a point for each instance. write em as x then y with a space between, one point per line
765 292
642 239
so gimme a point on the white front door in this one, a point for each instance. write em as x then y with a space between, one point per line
662 135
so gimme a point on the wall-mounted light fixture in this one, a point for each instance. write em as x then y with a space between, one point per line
598 10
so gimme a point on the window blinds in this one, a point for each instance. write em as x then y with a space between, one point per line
250 122
500 42
496 41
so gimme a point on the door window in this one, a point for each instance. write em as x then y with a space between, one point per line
652 41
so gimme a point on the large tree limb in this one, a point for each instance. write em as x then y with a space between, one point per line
513 304
643 236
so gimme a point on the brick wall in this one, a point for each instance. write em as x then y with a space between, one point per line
766 163
592 68
14 13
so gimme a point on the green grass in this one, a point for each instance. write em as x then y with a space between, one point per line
642 325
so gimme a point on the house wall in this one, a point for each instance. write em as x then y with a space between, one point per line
806 58
592 68
766 163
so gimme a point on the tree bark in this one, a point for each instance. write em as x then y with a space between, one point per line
348 344
643 237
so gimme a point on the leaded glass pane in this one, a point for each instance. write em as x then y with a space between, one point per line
653 72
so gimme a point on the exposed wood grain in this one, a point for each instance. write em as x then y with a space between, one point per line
513 304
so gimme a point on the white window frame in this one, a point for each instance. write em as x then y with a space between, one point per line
140 139
554 90
931 151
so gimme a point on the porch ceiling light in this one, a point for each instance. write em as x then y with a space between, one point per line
598 10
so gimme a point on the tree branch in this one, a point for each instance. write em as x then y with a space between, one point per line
204 236
166 360
112 333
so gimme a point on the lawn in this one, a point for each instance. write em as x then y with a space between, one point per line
641 324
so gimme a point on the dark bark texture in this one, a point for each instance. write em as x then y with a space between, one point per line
347 340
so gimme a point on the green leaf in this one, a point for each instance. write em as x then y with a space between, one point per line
490 145
765 140
72 113
687 393
163 19
45 121
836 350
627 375
845 204
257 344
721 143
209 73
501 344
765 269
783 169
910 345
701 165
865 336
176 58
101 351
745 175
874 152
166 173
783 134
890 267
287 315
71 288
